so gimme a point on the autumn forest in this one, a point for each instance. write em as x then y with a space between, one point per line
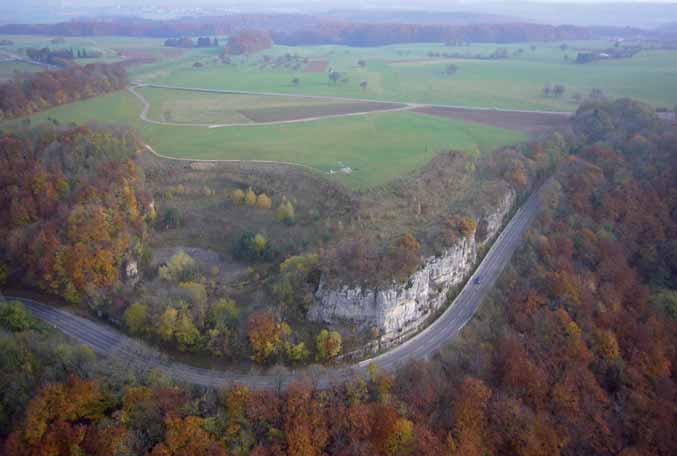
329 229
573 353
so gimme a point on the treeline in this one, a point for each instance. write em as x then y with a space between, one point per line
248 41
61 57
57 57
618 52
198 26
294 29
384 34
580 352
28 93
72 208
574 354
187 42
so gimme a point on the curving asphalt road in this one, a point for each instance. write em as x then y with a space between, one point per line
109 342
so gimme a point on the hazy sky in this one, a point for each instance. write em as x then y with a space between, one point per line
586 12
412 5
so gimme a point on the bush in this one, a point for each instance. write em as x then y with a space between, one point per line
223 313
186 333
15 317
285 213
4 273
167 324
180 268
263 201
297 352
265 336
458 226
135 317
328 345
196 295
172 218
260 243
237 197
404 256
250 197
665 300
251 247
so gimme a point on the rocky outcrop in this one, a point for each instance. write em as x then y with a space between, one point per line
399 309
130 272
492 222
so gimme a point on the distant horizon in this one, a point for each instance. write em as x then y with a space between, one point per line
637 13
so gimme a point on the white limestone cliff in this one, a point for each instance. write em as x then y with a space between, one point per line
399 309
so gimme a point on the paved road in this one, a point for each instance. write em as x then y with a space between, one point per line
107 341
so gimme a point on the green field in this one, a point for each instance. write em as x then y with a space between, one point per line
7 69
516 82
377 147
111 48
200 108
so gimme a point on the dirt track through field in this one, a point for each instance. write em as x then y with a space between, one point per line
517 119
523 120
268 115
361 108
520 121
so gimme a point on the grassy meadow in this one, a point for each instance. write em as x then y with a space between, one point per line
214 108
112 49
410 73
377 147
7 69
407 72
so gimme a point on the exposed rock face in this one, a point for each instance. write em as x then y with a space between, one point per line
492 222
401 308
131 272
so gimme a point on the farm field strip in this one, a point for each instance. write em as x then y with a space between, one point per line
414 71
520 121
516 82
274 113
10 65
375 149
411 104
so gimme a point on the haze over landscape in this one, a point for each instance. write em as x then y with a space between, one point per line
582 12
338 228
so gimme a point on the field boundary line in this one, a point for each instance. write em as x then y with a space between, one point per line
139 84
230 160
146 107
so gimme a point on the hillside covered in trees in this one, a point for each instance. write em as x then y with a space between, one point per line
28 93
573 354
248 41
298 29
384 34
72 208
